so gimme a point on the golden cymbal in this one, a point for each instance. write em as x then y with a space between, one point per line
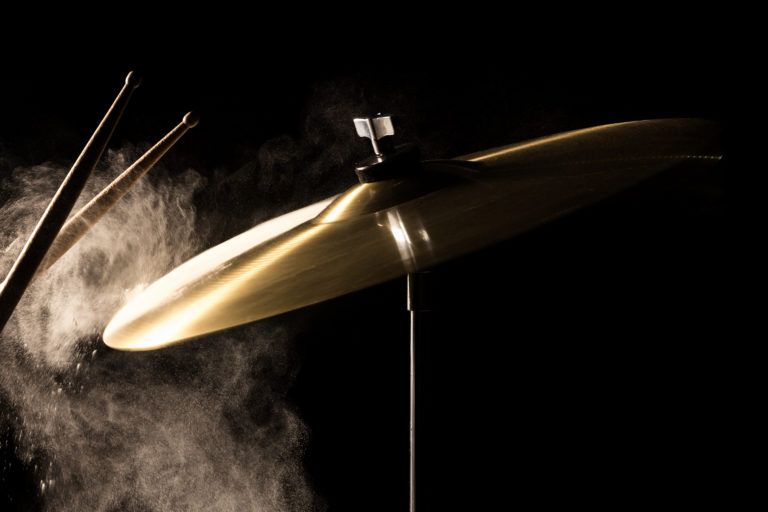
377 231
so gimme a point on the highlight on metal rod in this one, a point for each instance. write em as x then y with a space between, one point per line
83 220
58 209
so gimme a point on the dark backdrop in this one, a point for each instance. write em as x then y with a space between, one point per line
574 365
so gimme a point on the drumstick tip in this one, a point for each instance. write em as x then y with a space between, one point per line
191 120
133 79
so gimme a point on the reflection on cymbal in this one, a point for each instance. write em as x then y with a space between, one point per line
377 231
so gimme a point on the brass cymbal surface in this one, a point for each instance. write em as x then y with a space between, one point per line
378 231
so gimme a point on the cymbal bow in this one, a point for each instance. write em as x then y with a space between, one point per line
403 217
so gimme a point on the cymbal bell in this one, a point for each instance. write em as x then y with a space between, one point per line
378 231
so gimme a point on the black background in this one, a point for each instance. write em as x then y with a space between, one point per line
575 365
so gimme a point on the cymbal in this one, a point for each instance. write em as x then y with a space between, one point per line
378 231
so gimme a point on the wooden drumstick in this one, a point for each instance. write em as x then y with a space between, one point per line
34 251
83 220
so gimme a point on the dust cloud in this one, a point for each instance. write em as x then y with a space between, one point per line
203 426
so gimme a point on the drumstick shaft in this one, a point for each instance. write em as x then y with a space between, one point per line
58 209
97 207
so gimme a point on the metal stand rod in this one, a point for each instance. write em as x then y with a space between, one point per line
412 438
419 301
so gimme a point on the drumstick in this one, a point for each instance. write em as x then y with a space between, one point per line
58 209
83 220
